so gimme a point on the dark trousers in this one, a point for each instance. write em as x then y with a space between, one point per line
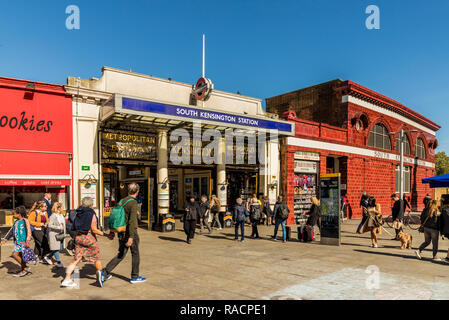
240 225
430 235
362 222
254 231
122 250
41 247
189 228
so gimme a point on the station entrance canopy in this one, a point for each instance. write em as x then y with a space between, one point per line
122 111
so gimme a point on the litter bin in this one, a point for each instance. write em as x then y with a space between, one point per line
227 220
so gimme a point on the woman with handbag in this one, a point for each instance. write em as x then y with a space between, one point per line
21 232
39 220
56 233
373 223
430 225
215 206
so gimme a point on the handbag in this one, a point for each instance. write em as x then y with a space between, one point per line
28 255
421 227
61 236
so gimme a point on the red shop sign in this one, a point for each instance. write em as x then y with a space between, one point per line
35 133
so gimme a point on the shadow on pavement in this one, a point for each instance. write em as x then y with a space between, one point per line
388 254
219 237
171 239
58 272
118 276
11 266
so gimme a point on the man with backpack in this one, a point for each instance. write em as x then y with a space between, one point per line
281 213
129 237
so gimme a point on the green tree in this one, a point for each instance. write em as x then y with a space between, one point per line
441 163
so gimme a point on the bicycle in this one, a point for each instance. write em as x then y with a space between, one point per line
411 221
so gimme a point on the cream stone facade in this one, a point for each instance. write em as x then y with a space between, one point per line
99 112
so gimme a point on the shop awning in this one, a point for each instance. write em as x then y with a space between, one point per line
24 168
136 112
441 181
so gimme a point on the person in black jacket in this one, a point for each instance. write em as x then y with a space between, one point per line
191 216
314 214
430 220
397 213
426 200
444 222
364 205
280 204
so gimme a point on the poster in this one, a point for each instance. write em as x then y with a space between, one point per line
88 189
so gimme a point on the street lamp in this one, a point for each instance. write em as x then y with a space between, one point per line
401 166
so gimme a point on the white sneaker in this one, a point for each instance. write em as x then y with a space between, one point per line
68 284
48 261
436 259
418 254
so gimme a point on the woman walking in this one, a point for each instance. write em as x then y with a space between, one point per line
314 214
38 219
255 210
373 222
215 206
430 221
267 210
86 245
56 226
239 218
21 232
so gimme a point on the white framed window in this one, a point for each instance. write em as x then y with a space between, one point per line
379 138
420 149
407 183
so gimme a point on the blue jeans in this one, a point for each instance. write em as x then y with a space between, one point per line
242 229
276 226
55 253
362 222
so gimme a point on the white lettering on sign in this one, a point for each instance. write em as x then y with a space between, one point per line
382 155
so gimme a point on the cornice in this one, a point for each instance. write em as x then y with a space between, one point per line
360 92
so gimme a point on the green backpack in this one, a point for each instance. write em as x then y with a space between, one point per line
117 221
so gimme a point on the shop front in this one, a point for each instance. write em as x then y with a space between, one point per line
174 143
36 145
167 154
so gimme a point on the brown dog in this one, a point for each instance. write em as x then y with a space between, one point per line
406 240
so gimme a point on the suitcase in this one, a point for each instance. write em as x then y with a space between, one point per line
307 234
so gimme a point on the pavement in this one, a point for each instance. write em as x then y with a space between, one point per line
216 267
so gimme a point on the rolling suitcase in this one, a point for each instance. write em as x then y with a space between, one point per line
307 234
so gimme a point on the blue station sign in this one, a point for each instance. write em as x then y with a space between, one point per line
189 113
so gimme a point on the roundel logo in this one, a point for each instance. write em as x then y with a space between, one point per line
203 88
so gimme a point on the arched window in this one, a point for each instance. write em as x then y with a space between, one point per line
379 138
406 145
420 149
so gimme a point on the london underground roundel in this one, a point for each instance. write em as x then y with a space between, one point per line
203 88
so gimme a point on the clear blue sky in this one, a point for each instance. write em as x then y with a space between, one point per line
260 48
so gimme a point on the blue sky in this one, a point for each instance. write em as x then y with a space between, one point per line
260 48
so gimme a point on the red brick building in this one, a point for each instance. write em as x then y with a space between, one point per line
344 127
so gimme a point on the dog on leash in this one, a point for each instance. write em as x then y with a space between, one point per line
406 240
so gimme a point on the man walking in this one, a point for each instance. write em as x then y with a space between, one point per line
47 200
204 210
397 214
129 238
191 215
